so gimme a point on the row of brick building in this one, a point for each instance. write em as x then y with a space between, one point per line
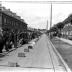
10 21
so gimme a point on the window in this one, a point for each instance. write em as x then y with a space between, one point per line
5 20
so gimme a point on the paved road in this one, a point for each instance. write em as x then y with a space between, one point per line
41 56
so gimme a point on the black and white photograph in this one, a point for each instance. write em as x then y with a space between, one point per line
35 36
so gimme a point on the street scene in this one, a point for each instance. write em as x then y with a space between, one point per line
41 56
35 36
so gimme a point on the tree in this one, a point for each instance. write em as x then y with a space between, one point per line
54 29
60 26
68 19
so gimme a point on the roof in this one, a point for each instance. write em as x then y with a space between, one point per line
10 13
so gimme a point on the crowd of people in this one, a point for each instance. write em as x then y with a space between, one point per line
8 39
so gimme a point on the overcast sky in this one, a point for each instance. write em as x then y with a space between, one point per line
37 14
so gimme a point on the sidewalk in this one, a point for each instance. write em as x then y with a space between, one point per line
12 55
65 40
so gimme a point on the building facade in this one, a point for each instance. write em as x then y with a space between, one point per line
67 30
9 20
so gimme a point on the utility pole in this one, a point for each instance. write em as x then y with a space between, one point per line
50 17
47 25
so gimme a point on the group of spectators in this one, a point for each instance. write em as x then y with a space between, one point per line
9 39
6 40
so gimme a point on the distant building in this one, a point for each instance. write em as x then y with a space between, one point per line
42 30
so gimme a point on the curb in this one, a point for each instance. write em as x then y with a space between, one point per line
60 57
4 54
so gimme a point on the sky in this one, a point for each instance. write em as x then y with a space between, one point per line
36 15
